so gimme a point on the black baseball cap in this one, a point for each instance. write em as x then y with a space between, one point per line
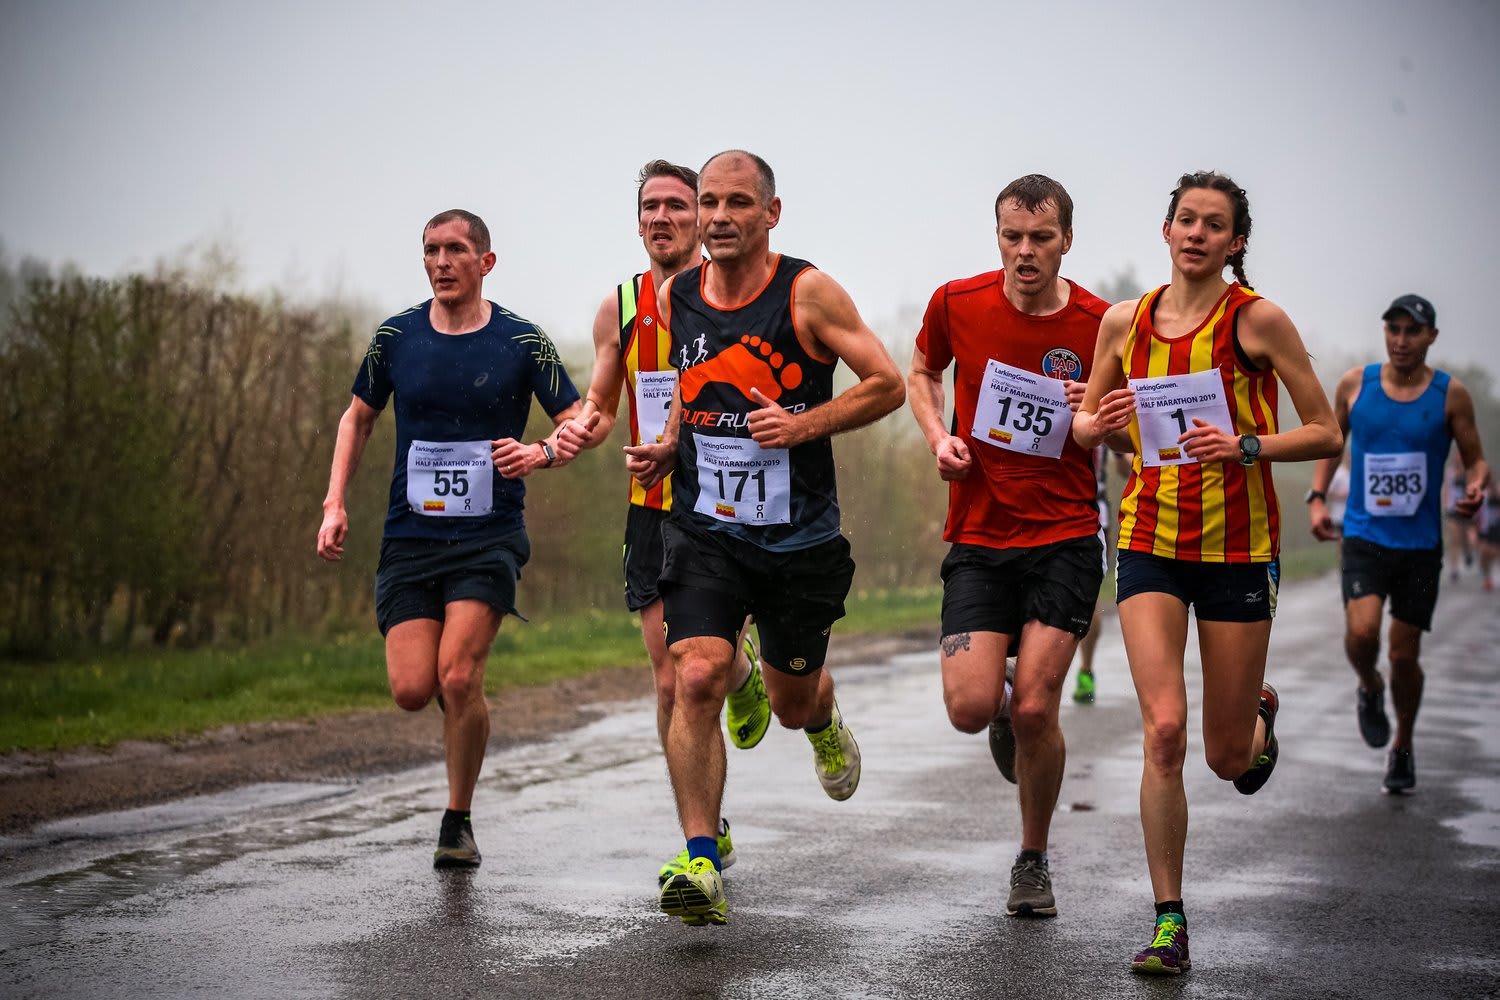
1414 306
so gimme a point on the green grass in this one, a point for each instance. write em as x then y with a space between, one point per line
165 694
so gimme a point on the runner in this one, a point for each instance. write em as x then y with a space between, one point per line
1026 558
1199 522
1489 534
1084 685
632 349
1402 418
754 527
463 372
1461 527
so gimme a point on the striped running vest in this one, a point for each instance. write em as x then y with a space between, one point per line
644 346
1215 512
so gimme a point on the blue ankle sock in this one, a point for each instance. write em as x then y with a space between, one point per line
704 847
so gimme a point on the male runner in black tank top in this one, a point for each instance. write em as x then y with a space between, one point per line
754 524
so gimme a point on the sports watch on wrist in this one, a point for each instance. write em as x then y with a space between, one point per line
1249 449
1314 495
551 455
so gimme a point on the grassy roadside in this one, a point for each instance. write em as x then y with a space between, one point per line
111 696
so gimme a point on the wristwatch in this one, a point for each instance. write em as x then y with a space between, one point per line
1249 449
551 455
1314 495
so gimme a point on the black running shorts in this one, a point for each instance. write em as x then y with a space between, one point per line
711 581
420 577
1409 577
1000 590
1217 592
642 555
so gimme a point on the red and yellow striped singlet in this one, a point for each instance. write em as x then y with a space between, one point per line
645 346
1218 512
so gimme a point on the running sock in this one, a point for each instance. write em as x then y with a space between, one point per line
1174 907
454 820
1005 706
1029 855
704 847
814 730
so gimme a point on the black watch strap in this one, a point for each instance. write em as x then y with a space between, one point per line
551 455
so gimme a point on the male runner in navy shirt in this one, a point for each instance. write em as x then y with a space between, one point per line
463 372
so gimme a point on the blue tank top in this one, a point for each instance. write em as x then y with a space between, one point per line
1396 472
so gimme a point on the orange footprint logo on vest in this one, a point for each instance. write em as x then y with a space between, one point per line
750 364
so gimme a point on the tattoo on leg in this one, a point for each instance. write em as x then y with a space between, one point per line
953 643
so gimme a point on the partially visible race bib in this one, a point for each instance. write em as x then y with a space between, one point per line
1165 408
450 478
740 481
653 398
1395 483
1021 411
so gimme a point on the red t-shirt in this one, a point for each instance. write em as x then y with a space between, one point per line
1011 499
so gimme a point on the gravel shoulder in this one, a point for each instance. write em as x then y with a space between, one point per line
36 788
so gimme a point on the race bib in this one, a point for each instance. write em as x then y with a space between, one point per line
1395 484
740 481
1022 411
1166 408
653 398
450 478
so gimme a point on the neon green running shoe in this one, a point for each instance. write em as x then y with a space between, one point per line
1083 693
696 894
679 864
748 710
836 757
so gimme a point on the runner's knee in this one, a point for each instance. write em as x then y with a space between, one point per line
1166 745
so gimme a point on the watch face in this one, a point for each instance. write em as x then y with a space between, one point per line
1250 445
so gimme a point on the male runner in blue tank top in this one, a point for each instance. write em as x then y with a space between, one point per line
754 527
1401 418
463 372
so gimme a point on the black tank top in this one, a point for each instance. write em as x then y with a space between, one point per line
781 500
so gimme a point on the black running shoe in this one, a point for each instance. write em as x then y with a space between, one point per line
1003 734
456 847
1374 726
1400 772
1260 772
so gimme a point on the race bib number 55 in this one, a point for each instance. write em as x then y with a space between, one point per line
450 478
740 481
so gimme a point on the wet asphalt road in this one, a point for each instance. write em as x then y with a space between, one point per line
1319 886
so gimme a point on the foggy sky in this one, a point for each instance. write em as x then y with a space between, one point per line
314 139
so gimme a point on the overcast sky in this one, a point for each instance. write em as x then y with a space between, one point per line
315 138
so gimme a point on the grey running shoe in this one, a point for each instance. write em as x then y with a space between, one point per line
836 757
1030 890
1003 735
1373 724
456 847
1400 772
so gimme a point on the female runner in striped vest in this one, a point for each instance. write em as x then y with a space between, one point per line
1191 370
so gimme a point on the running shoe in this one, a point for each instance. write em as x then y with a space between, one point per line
1083 693
1167 955
836 757
456 847
1400 772
1260 772
1374 726
680 862
1002 734
748 710
696 894
1030 890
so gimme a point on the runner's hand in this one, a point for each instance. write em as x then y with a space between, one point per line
953 459
650 463
1075 392
574 435
1322 522
1204 442
773 425
332 534
514 460
1468 505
